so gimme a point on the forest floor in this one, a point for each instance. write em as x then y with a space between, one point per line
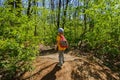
84 67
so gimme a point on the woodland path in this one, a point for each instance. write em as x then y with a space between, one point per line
74 68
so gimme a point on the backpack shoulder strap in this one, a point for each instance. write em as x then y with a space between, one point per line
61 36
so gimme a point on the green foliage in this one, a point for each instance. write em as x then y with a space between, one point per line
20 36
14 56
18 45
105 36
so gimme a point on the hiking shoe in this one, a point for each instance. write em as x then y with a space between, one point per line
59 64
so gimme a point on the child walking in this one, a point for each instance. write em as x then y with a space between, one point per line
61 45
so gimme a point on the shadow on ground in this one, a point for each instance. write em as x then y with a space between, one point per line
51 75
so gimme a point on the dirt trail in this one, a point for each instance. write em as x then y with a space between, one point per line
74 68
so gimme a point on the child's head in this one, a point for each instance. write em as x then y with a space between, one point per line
60 30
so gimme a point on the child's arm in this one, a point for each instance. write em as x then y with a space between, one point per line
56 45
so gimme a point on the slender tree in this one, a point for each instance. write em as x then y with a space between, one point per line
0 3
43 3
18 7
15 5
52 5
65 13
85 17
29 7
59 11
52 10
10 4
35 13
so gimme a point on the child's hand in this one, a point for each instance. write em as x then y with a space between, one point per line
55 47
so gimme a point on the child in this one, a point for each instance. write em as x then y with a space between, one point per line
60 48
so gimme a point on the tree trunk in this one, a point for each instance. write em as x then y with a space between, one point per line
52 10
35 13
65 11
43 3
11 5
59 10
0 3
28 9
85 15
63 5
85 24
91 24
85 19
52 5
18 6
